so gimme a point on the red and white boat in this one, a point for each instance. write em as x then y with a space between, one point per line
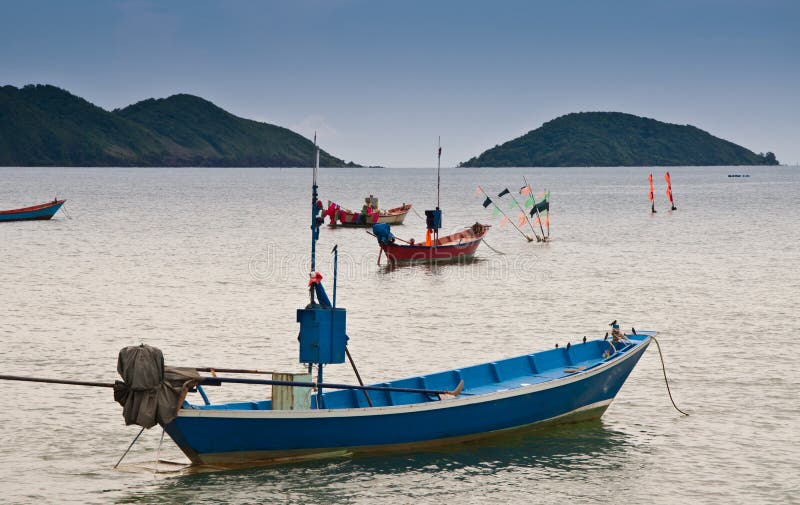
369 215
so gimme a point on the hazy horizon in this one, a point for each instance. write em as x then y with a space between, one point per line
380 82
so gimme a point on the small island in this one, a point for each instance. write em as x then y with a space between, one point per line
612 139
42 125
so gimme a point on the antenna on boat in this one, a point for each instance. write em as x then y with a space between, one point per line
438 172
433 218
335 252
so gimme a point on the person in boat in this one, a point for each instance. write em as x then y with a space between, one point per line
372 202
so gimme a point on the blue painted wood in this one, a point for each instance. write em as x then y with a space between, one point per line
322 335
500 395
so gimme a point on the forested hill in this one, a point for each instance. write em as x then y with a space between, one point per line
616 139
42 125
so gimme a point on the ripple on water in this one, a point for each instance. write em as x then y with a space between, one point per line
219 284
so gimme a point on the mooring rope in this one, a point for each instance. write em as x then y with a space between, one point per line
492 248
663 369
417 213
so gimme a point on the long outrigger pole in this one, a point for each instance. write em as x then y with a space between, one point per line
57 381
217 381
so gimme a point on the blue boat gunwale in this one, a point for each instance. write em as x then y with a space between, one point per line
641 342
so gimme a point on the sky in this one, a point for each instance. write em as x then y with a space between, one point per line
380 81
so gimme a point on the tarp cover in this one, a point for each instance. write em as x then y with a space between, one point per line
149 392
433 219
383 232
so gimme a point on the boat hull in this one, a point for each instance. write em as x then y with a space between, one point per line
36 213
398 253
255 457
234 437
449 249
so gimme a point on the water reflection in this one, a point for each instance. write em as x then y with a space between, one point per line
432 268
537 453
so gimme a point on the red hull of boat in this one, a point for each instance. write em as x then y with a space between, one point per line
460 245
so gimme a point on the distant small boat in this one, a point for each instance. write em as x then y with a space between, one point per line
345 217
738 175
41 212
434 249
458 246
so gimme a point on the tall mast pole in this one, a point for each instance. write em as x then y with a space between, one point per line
438 171
314 210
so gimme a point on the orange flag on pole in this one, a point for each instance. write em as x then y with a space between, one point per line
669 191
650 179
669 187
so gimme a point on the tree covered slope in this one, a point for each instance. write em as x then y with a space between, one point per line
616 139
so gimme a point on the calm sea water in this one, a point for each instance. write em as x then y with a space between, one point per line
210 265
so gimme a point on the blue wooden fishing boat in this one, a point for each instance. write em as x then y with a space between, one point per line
306 419
559 385
35 213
